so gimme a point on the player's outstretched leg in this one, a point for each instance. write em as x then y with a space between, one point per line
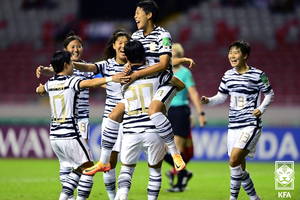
165 131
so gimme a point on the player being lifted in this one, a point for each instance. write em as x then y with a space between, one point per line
157 44
139 133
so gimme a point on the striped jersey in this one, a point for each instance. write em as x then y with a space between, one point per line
137 99
63 93
245 94
108 68
157 43
83 107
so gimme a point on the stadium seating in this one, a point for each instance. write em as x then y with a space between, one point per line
205 32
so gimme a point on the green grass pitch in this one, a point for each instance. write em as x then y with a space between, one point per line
35 179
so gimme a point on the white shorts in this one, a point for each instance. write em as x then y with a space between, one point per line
84 127
117 146
165 94
72 152
244 138
134 144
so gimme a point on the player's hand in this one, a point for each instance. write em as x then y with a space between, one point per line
256 113
38 90
191 62
204 100
39 71
120 78
133 77
127 69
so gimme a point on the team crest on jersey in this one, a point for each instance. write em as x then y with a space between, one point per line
249 84
166 43
265 80
152 46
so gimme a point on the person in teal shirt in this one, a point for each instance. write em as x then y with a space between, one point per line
179 116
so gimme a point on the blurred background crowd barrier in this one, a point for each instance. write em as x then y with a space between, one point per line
32 30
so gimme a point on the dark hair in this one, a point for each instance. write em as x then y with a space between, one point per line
243 46
69 38
149 6
58 60
109 51
134 51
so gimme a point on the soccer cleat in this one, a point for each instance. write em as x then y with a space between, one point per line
170 177
179 164
175 189
185 179
98 167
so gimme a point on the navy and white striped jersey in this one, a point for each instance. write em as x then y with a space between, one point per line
84 109
157 43
63 93
245 93
137 99
108 68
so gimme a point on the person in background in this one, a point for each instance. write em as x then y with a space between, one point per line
244 84
179 116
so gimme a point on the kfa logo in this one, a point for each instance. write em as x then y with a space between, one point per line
284 177
284 195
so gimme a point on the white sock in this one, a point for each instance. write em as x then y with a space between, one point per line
84 187
248 185
109 138
165 131
109 179
154 183
124 181
235 180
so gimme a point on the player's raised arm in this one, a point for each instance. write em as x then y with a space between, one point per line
96 82
178 61
84 67
47 71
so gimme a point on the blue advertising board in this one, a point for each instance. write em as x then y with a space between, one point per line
210 144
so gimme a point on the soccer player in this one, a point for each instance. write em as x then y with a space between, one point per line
244 84
140 134
74 45
113 62
179 116
157 44
65 138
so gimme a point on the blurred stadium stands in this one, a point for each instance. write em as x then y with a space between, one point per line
30 34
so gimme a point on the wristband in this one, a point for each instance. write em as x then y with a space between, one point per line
202 113
37 90
108 79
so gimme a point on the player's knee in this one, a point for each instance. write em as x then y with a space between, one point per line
234 161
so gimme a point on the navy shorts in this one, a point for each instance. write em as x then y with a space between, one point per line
179 116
